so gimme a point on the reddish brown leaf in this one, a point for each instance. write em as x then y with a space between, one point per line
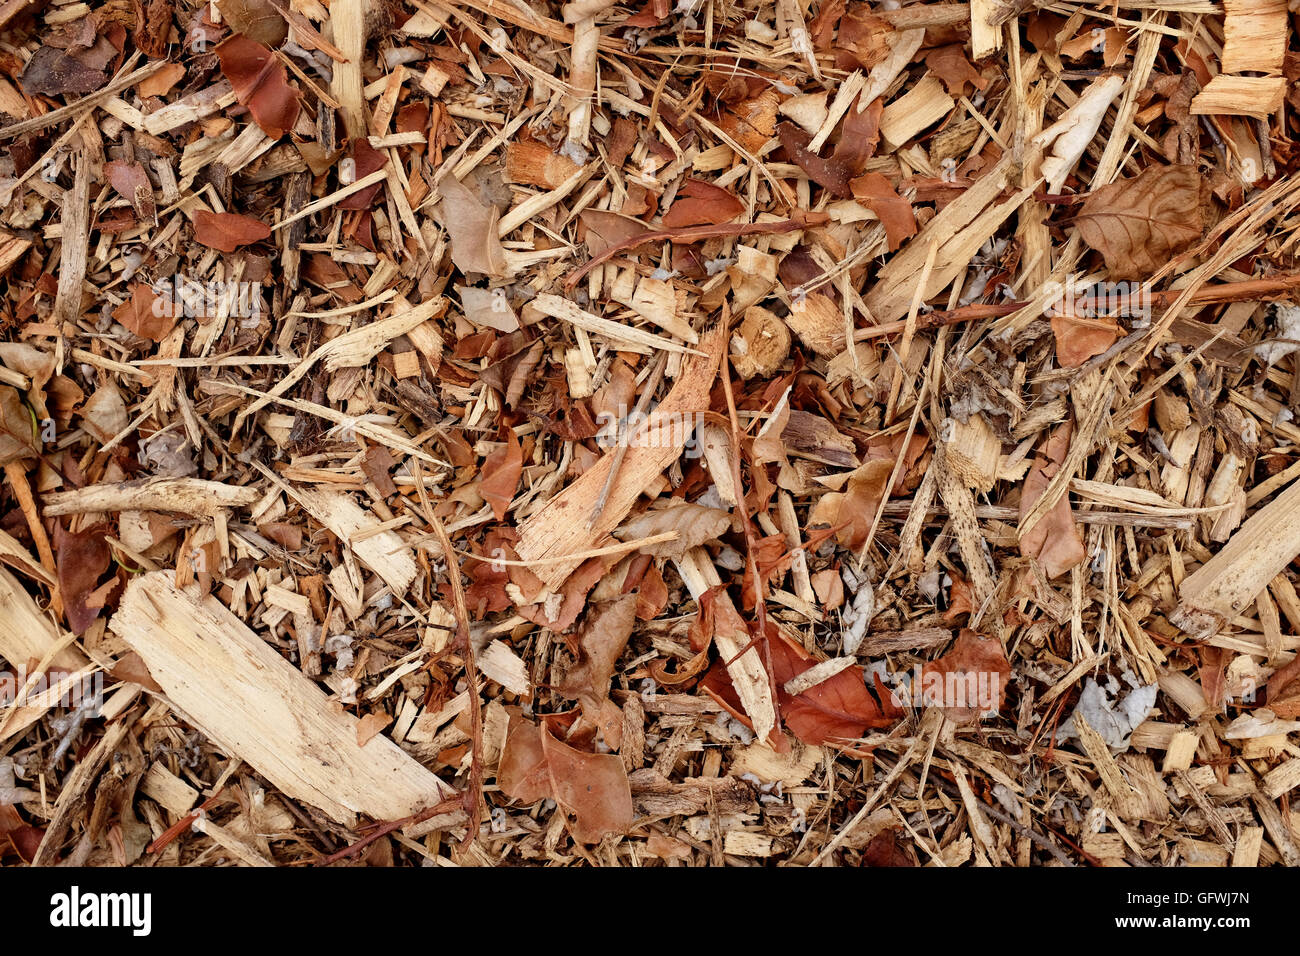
227 231
885 850
146 314
1054 541
501 471
132 184
1079 339
472 225
702 204
17 437
261 84
52 72
593 788
949 63
895 213
859 134
971 679
1139 224
652 594
255 19
603 637
81 559
367 160
838 709
831 173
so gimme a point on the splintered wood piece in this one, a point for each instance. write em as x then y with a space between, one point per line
985 31
190 496
26 632
560 527
1254 36
75 239
1228 583
383 552
920 107
628 337
730 636
347 20
257 706
961 228
26 635
1257 96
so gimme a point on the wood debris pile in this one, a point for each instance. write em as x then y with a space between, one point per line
726 432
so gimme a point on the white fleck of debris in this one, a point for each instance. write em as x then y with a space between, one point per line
348 688
712 498
551 606
858 611
399 55
340 645
10 793
729 558
1113 718
575 151
928 583
663 275
714 266
739 731
1009 802
1287 338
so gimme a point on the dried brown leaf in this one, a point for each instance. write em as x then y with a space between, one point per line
1139 224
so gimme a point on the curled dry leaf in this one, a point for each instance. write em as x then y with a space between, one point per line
132 184
1139 224
255 19
367 160
160 82
1054 541
970 680
894 212
949 63
261 84
853 510
17 428
1079 339
501 471
145 314
600 643
227 231
694 524
104 414
859 135
702 204
593 788
839 709
52 72
831 173
472 226
81 559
